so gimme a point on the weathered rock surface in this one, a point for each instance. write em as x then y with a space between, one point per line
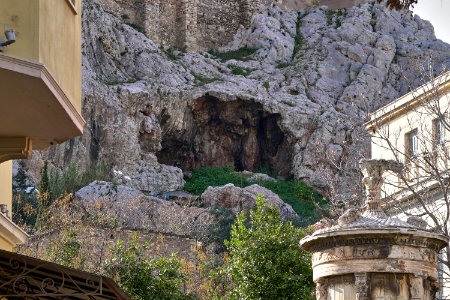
104 204
118 209
106 191
152 113
244 199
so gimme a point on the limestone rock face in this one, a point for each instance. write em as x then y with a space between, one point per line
103 204
153 114
130 209
273 32
244 199
101 190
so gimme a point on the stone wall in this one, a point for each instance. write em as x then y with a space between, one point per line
164 21
198 24
219 20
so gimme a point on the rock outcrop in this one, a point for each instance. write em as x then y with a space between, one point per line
295 106
103 204
244 199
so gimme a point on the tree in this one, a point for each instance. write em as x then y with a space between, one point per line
143 278
419 137
265 261
44 184
24 202
399 4
66 251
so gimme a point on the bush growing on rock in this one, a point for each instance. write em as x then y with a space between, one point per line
30 205
146 279
265 261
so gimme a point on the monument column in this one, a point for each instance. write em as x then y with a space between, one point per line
369 255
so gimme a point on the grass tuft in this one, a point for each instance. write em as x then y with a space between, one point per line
242 54
236 70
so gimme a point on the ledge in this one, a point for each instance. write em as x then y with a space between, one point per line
72 6
11 232
14 148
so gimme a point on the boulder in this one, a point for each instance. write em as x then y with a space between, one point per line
244 199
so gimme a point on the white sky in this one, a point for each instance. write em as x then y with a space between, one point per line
438 13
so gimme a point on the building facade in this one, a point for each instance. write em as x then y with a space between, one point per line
40 84
40 105
414 130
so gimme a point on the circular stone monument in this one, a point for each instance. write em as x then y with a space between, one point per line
371 255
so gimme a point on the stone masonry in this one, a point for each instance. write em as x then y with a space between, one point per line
194 25
370 255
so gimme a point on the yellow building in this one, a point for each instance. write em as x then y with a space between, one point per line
414 130
40 105
40 87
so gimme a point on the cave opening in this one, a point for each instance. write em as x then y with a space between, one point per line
223 133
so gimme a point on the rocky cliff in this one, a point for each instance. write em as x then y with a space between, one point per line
295 104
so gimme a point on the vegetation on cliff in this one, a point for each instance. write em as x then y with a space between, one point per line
261 260
265 261
305 201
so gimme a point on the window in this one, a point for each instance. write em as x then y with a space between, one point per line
411 153
412 144
438 132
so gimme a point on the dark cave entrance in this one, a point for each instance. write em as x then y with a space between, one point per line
222 133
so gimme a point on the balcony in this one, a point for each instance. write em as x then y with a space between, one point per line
33 105
40 76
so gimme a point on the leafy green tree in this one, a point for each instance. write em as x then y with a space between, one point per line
44 195
44 184
25 203
265 260
143 278
67 251
399 4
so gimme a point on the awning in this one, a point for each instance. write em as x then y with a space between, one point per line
27 278
33 105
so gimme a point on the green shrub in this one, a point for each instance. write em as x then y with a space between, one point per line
204 177
44 184
24 205
70 179
298 41
66 251
239 54
143 278
265 260
236 70
300 196
202 79
329 14
283 65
